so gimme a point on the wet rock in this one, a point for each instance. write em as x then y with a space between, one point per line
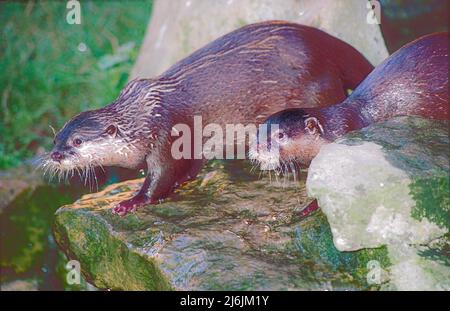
388 184
178 28
226 230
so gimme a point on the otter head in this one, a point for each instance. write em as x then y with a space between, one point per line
90 139
294 137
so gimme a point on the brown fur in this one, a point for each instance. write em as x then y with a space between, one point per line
242 77
411 82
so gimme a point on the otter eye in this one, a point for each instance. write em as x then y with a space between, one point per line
111 130
77 142
279 136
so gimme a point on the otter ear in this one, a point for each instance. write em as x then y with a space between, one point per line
111 130
313 126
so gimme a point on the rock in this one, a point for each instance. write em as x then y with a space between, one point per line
16 181
20 285
177 28
226 230
388 185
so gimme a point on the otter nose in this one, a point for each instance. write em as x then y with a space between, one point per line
57 156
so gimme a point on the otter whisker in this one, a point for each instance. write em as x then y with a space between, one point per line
40 161
53 173
276 176
294 173
101 166
59 174
68 173
84 170
53 130
285 174
45 166
95 177
90 177
79 173
50 171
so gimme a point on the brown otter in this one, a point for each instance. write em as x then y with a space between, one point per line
242 77
412 81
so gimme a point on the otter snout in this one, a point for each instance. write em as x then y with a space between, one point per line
57 156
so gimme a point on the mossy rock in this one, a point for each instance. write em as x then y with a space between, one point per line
226 230
388 185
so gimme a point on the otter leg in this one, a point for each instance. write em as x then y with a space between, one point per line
140 198
308 210
157 186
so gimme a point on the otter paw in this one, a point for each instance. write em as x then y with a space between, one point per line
308 210
127 206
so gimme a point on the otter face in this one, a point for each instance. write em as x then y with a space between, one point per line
87 141
297 138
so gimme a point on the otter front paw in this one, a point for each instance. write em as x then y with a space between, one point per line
308 210
127 206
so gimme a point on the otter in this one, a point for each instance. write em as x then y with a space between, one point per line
411 82
243 77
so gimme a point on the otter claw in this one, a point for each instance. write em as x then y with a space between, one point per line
122 210
129 206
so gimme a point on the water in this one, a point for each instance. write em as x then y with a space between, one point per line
29 255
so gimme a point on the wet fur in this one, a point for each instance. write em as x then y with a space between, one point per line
242 77
411 82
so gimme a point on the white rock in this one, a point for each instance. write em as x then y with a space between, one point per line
346 181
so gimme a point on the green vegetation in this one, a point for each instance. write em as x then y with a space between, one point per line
315 242
432 198
47 76
106 260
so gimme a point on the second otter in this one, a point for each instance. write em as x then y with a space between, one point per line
412 81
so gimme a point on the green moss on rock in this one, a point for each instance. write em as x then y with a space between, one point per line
105 260
396 196
432 196
215 233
